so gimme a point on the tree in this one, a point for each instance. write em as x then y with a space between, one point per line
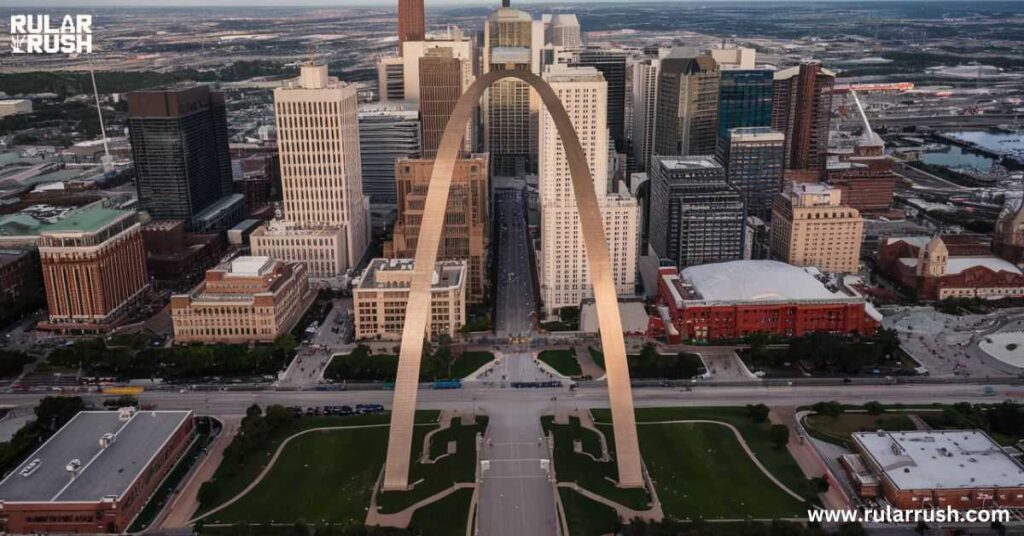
831 409
779 434
874 408
758 413
820 484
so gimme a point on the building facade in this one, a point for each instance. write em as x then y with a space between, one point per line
387 131
802 110
811 227
644 98
687 105
864 175
564 271
382 292
179 140
411 22
390 78
753 161
321 249
612 65
94 269
731 300
466 233
696 217
248 299
174 256
744 100
442 78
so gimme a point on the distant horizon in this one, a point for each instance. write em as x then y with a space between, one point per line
147 4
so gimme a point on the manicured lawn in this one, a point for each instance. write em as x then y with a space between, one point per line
598 477
230 479
563 361
447 517
469 362
597 356
586 517
700 470
360 365
778 461
458 467
837 430
649 364
321 476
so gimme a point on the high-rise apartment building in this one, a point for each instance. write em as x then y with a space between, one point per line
564 271
753 159
696 216
411 23
94 268
179 141
387 131
321 172
811 227
687 104
744 100
466 230
644 82
612 65
381 295
442 79
802 110
512 41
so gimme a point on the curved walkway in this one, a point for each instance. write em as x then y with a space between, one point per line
186 502
277 453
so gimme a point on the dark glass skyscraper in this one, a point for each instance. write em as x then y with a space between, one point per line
611 64
753 160
744 100
179 141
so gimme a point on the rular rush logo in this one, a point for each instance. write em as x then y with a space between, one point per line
36 34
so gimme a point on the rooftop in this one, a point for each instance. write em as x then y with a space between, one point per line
397 273
955 265
104 472
946 459
249 266
688 162
88 220
747 281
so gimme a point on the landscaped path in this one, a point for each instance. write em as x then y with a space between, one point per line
186 502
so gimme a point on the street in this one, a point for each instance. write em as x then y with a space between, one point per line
514 289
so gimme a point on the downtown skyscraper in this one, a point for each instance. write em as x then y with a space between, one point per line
411 22
802 110
687 104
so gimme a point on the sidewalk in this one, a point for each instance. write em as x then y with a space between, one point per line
185 503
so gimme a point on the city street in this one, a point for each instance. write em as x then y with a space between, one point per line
514 290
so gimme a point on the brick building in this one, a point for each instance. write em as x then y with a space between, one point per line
865 177
248 299
382 293
96 473
173 255
960 469
948 266
94 269
730 300
812 227
19 274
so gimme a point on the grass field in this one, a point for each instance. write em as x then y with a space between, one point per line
586 517
458 467
597 477
229 480
597 356
563 361
447 517
837 430
778 461
469 362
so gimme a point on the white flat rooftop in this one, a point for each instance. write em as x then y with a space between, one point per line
756 281
941 459
955 265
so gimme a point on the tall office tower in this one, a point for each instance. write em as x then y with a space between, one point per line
466 220
696 216
512 40
442 77
687 105
390 79
645 98
811 227
321 175
563 31
734 58
461 48
802 110
387 131
753 159
611 64
179 141
744 100
411 24
94 269
564 272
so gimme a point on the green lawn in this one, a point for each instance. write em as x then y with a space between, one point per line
838 430
700 470
458 467
597 356
230 479
360 365
469 362
778 461
447 517
563 361
586 517
649 364
597 477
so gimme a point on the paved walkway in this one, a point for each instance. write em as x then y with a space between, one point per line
810 462
587 364
184 505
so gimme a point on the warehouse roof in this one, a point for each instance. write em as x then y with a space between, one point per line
103 472
755 281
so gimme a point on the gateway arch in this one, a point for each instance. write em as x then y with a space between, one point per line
627 449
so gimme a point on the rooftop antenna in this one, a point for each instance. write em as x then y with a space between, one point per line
107 161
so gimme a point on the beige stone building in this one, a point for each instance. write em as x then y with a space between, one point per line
247 299
321 249
811 227
382 292
94 268
321 173
466 221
